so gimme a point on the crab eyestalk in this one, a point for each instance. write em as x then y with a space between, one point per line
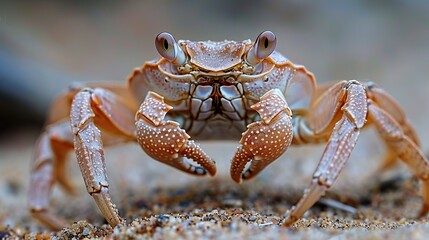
264 45
169 49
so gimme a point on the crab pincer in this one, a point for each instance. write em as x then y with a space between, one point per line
166 142
266 140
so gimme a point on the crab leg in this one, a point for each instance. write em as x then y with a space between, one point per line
49 162
404 147
49 166
388 104
90 105
340 144
400 137
266 140
166 142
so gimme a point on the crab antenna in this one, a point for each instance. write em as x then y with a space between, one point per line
169 49
264 45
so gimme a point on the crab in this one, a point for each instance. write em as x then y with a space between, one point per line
216 90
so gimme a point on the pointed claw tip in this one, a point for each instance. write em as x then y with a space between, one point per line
236 174
288 221
236 179
212 172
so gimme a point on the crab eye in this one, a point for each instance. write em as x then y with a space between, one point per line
168 48
264 45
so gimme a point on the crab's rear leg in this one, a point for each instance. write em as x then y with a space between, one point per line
166 142
403 146
48 166
350 98
266 140
391 107
93 109
49 163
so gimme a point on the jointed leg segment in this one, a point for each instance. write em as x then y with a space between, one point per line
404 147
384 101
93 109
49 160
90 154
339 147
355 101
48 167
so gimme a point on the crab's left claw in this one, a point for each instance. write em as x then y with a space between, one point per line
266 140
166 142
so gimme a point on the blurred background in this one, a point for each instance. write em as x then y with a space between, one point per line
46 45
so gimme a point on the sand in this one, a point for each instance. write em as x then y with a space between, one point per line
161 203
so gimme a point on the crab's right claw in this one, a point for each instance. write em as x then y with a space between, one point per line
266 140
166 142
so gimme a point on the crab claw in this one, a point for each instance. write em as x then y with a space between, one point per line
166 142
266 140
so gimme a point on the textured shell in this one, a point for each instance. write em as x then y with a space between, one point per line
215 95
216 56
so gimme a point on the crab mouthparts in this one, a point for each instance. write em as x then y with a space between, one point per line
207 80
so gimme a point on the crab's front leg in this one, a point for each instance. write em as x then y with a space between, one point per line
349 100
166 142
266 140
91 107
